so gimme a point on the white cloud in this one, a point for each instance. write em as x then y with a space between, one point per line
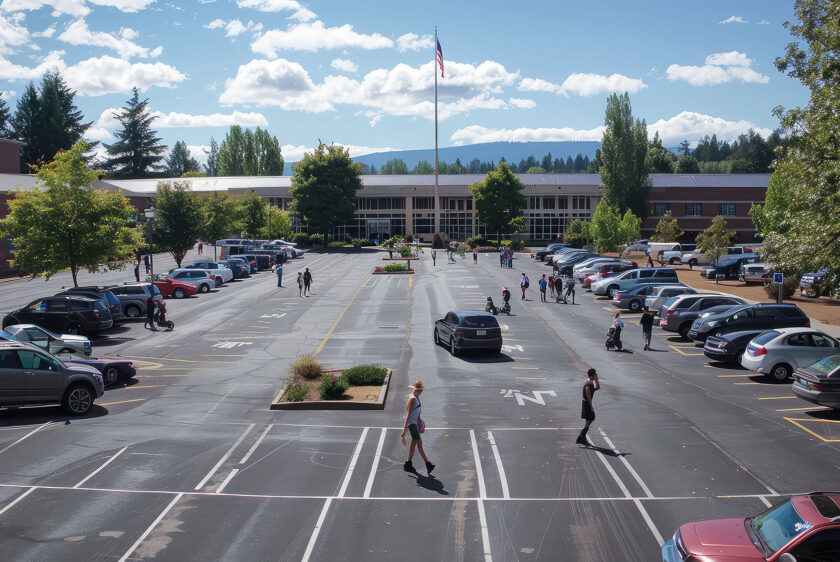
234 27
314 36
200 153
414 42
109 75
12 32
345 65
692 126
584 84
48 32
293 153
301 13
128 6
402 90
763 22
10 71
476 134
720 68
734 19
78 33
174 120
75 8
522 103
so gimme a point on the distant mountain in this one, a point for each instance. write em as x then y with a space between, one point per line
486 152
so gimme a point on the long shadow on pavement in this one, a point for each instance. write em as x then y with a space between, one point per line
604 451
429 482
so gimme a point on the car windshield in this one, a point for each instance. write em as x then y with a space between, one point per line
826 365
765 337
779 525
480 322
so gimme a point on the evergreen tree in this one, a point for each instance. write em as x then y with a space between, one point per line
212 157
570 165
180 161
423 167
59 118
5 118
688 165
395 166
684 148
546 162
623 149
25 127
557 166
137 151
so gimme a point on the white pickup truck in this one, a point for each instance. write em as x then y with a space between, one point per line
732 253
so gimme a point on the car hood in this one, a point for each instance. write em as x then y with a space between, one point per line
72 337
80 368
732 336
721 538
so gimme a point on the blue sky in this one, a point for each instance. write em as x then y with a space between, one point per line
360 73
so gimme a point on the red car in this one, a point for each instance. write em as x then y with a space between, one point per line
801 529
170 287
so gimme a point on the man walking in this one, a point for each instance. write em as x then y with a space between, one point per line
146 263
587 410
300 284
307 281
646 322
137 272
279 272
201 248
569 287
501 257
150 314
543 287
475 255
524 285
649 258
510 259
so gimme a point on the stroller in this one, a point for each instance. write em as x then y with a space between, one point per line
491 307
611 341
160 317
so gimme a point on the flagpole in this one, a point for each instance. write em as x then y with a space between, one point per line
437 197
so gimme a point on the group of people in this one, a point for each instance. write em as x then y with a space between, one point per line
304 280
646 322
505 256
561 289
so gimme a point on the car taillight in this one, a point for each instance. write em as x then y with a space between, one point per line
617 297
459 333
95 313
808 323
131 364
760 351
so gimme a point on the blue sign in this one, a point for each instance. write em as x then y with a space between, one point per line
778 278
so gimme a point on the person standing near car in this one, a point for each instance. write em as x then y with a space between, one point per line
646 322
150 314
201 248
587 410
475 255
414 424
569 286
146 263
279 272
137 272
307 281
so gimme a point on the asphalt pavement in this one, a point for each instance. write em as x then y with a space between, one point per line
187 462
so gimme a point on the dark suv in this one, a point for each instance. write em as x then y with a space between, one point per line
677 316
761 316
96 292
66 314
133 297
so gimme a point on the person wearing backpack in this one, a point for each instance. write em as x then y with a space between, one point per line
524 284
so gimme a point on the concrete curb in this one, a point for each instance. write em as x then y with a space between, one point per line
334 404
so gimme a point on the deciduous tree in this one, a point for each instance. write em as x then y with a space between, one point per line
578 234
667 229
606 227
178 220
278 224
624 172
246 153
252 210
498 199
219 212
394 166
715 239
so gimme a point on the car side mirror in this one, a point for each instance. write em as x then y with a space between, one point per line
787 557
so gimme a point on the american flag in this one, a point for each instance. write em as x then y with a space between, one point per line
439 57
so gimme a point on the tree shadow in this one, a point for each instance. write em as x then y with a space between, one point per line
429 482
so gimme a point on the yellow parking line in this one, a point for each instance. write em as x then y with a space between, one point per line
526 368
340 316
777 397
259 327
523 358
805 409
743 383
678 350
223 356
184 369
730 376
611 309
146 386
815 434
122 402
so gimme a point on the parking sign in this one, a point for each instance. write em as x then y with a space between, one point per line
778 278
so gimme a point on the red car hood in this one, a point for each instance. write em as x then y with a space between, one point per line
723 539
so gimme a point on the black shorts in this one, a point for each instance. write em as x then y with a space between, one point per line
586 412
414 431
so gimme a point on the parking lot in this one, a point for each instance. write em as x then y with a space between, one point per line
186 461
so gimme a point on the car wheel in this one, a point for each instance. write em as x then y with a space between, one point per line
739 356
205 288
76 329
452 349
684 330
635 306
692 262
780 372
132 311
437 337
78 399
179 293
497 351
612 290
673 261
110 376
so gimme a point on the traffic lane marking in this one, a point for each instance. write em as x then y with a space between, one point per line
122 402
678 350
796 422
778 398
805 409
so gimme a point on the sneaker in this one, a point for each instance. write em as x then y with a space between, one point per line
429 467
408 467
581 440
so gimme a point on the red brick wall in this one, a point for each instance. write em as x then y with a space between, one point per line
9 158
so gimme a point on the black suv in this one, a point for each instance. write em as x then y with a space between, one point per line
763 316
65 314
99 292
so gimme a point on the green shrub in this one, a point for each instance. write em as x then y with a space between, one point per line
506 243
393 242
790 285
301 239
365 375
518 245
396 266
306 366
332 387
336 244
480 241
295 393
316 240
404 251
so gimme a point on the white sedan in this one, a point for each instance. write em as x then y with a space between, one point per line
777 353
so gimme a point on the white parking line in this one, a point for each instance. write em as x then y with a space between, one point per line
106 463
485 535
151 528
224 458
375 465
20 497
256 444
227 480
629 468
31 433
317 530
353 461
482 489
502 475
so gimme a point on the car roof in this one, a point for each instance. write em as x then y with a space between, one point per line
807 509
729 336
798 329
18 345
471 313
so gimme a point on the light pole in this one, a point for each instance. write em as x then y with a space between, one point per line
150 214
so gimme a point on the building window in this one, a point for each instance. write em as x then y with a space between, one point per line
693 209
726 209
534 202
548 202
424 203
563 203
581 202
659 209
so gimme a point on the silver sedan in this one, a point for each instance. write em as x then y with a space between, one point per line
778 353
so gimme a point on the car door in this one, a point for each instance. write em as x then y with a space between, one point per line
741 320
35 313
450 321
819 546
820 346
798 347
11 378
38 337
56 315
42 377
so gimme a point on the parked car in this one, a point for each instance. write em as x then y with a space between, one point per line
561 254
100 291
541 254
633 277
240 268
170 287
133 296
755 273
610 269
564 267
732 253
463 330
728 348
246 265
263 260
811 284
819 383
222 272
657 297
592 265
68 314
674 255
803 528
199 278
778 353
32 376
112 368
732 270
49 341
632 299
761 315
680 314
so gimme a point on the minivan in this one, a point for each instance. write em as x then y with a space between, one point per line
633 277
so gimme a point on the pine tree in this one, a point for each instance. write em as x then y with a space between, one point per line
5 118
25 127
180 161
138 147
59 118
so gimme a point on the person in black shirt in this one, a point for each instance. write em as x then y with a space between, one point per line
307 281
587 411
150 314
646 321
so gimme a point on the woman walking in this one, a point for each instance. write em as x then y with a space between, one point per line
300 284
618 325
587 411
415 425
646 322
